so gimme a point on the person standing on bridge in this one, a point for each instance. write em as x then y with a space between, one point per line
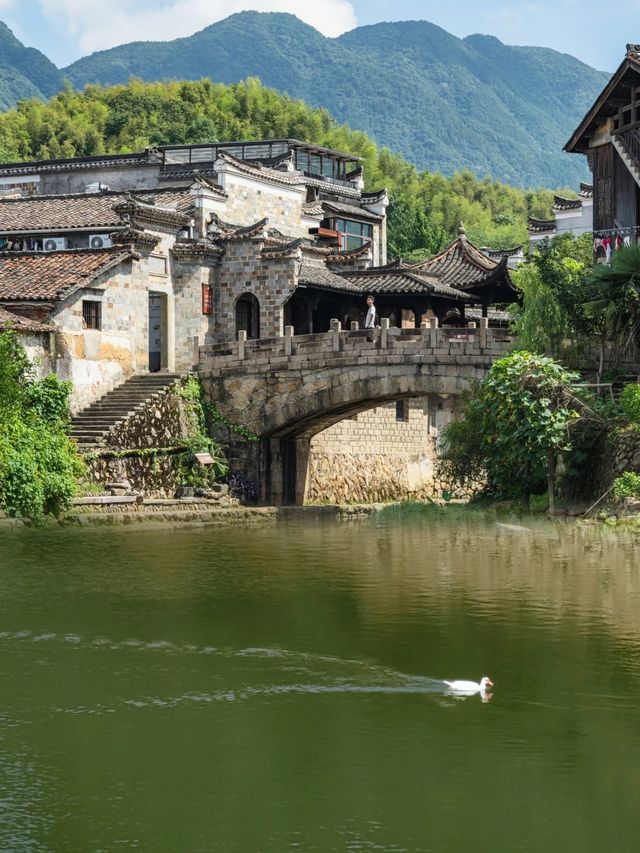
371 318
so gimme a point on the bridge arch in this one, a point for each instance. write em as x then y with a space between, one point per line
288 389
285 447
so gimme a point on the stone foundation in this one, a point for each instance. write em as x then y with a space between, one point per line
389 453
147 448
157 474
620 453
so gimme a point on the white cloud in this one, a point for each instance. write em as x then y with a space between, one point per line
100 24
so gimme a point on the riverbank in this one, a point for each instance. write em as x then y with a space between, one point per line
199 512
179 513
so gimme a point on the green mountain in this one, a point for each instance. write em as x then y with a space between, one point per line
24 71
444 103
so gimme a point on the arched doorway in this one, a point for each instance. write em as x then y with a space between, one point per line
248 315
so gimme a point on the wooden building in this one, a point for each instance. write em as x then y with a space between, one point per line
609 135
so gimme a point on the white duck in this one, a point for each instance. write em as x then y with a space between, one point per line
469 688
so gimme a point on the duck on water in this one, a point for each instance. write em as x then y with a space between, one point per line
469 688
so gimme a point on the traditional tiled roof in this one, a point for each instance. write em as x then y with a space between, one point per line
315 274
135 209
117 161
197 249
383 280
256 170
350 210
46 214
463 266
277 249
327 187
541 226
53 276
492 314
501 253
245 232
9 320
586 190
374 197
562 203
607 103
348 256
313 208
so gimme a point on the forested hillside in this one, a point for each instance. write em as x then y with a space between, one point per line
24 71
427 207
442 102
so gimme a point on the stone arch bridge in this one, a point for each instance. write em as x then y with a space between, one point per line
287 389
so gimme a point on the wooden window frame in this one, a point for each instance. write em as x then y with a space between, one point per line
92 314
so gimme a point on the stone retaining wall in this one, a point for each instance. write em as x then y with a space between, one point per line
165 423
157 474
621 453
384 454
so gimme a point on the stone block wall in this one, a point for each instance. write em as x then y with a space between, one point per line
244 270
158 475
620 453
382 454
190 322
250 200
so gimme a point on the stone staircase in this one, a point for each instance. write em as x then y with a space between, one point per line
627 144
89 426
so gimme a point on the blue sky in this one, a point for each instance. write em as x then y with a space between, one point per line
67 29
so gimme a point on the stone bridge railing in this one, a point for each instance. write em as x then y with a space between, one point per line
392 346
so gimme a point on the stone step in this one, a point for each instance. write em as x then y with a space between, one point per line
90 425
107 411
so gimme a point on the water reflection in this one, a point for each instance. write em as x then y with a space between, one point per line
282 688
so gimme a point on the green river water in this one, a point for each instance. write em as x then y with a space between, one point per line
278 688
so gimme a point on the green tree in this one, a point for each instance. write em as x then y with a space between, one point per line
555 285
514 426
426 207
613 307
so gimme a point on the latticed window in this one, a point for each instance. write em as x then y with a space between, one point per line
92 314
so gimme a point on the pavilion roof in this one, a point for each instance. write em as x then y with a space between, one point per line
465 267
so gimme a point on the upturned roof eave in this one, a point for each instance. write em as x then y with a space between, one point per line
573 145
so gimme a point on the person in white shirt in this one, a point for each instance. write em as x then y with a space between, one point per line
370 320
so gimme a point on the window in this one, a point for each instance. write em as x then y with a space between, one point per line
207 299
92 314
402 411
353 234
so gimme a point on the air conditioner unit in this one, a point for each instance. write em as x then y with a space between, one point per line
54 244
100 241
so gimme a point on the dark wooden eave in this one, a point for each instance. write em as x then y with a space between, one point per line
606 104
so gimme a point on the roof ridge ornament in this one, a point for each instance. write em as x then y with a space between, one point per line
633 48
461 230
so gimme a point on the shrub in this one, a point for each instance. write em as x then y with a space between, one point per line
630 402
626 486
38 461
